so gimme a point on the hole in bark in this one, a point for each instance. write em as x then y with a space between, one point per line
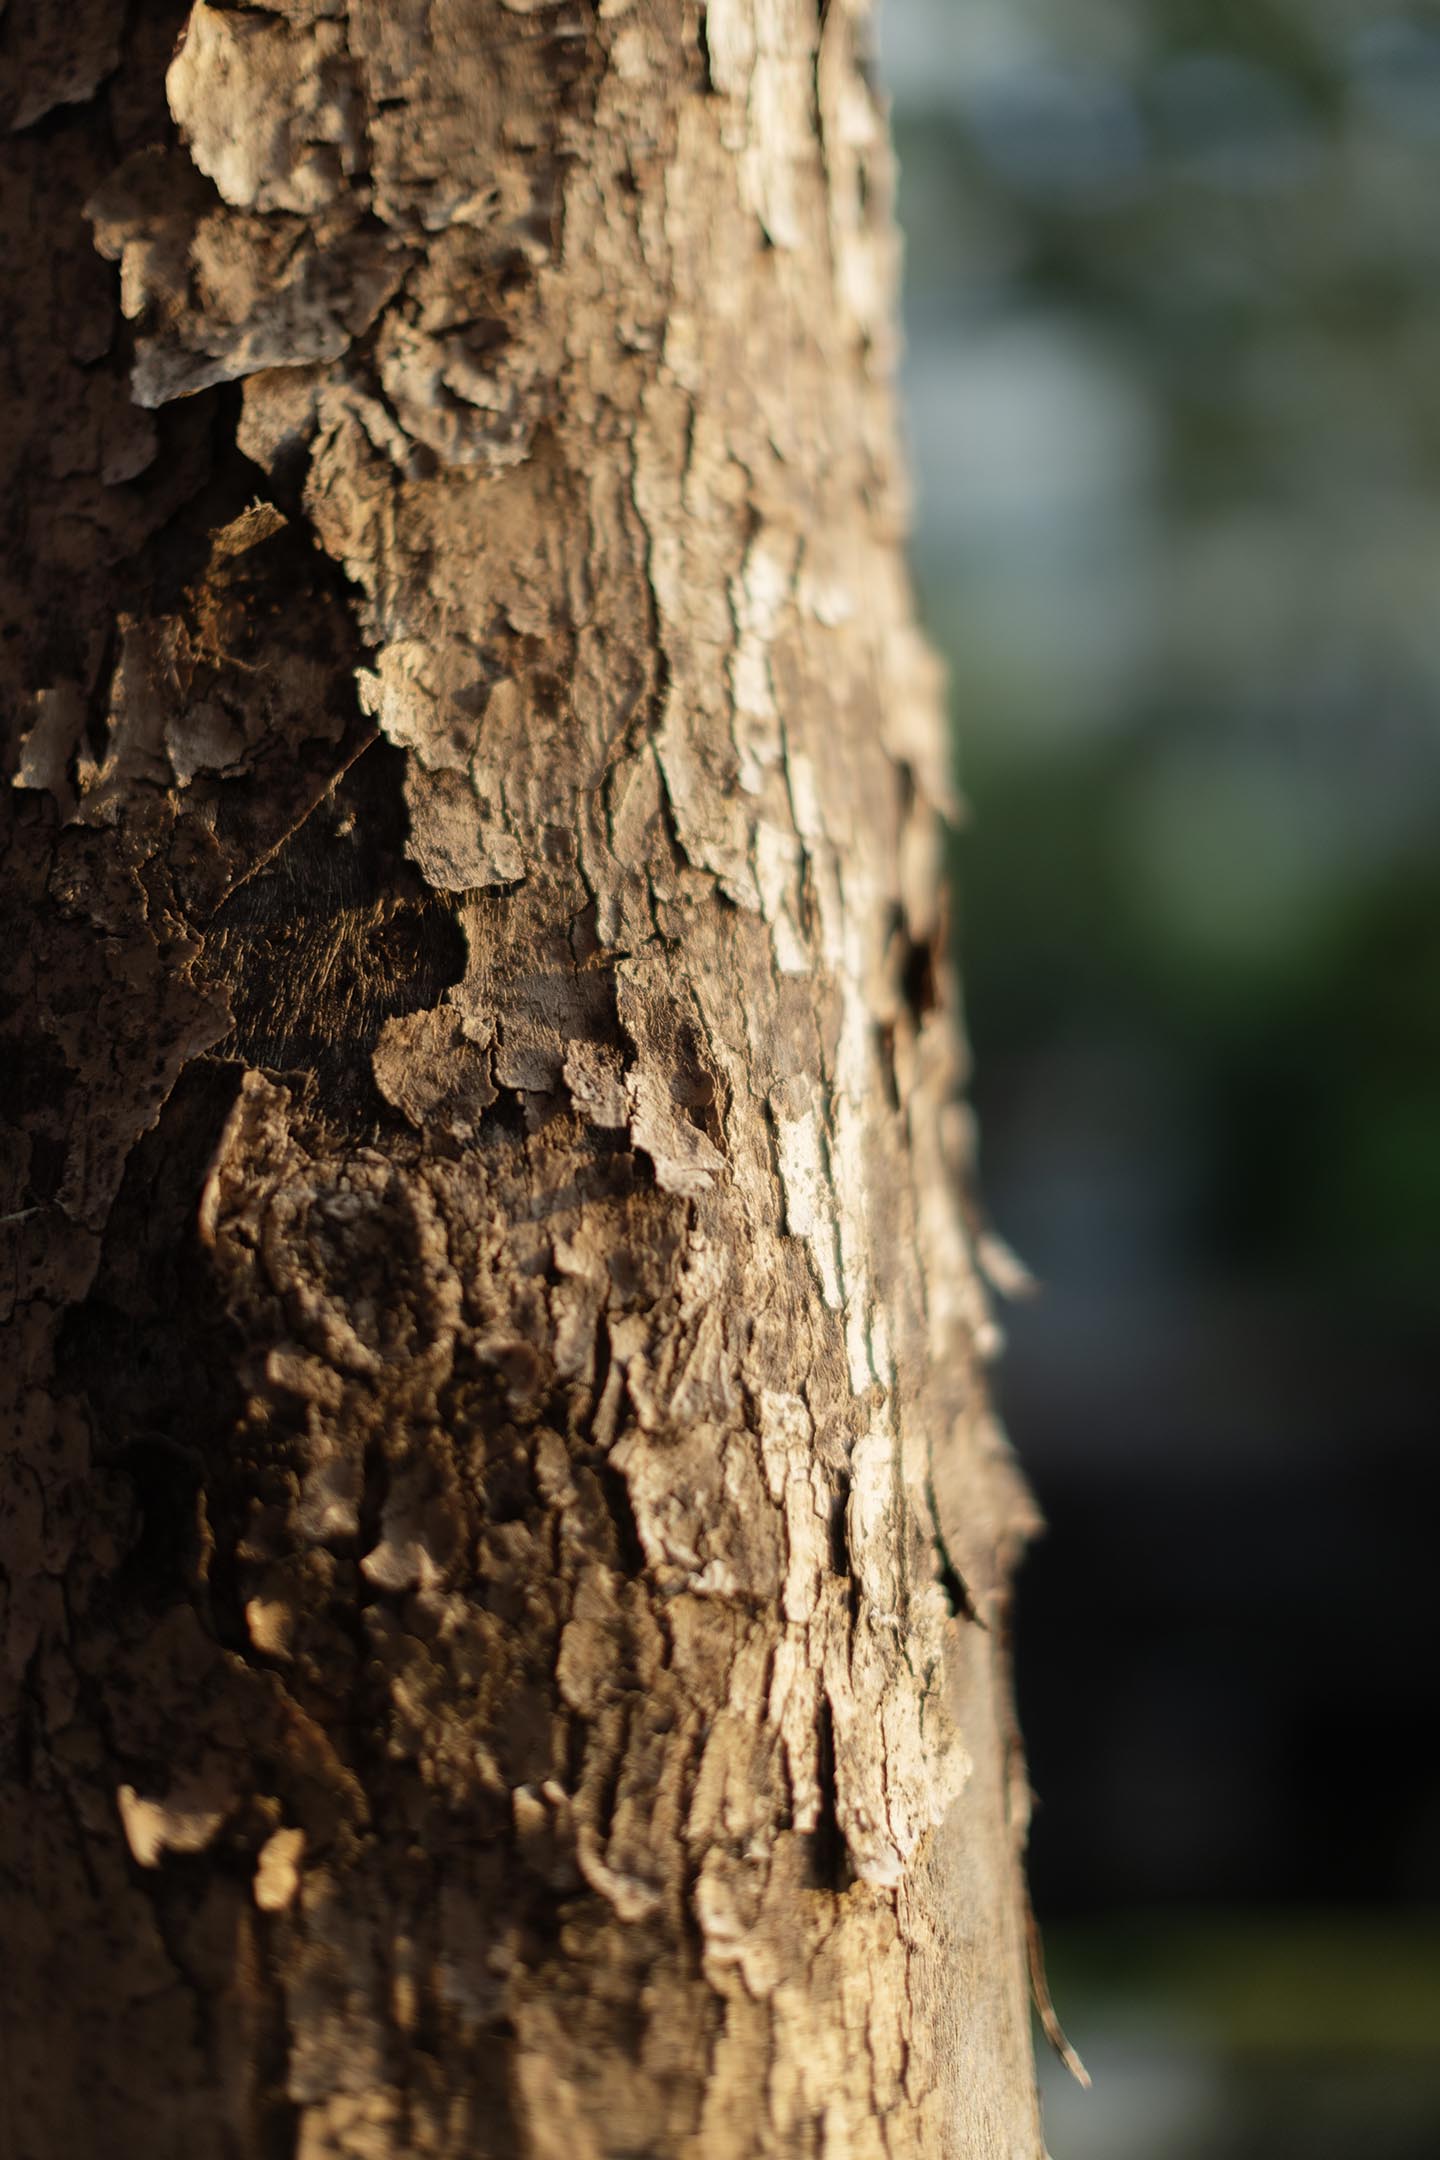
918 980
507 1488
839 1537
829 1866
886 1034
97 705
627 1537
602 1355
505 1117
577 1734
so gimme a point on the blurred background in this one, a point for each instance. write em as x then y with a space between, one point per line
1173 384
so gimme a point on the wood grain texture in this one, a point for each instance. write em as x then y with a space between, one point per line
505 1544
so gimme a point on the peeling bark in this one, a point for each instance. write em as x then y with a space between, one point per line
504 1546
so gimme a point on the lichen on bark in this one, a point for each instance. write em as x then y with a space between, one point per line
507 1548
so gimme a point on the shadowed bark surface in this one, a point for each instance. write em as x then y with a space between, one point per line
504 1546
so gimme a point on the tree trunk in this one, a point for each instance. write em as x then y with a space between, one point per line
504 1545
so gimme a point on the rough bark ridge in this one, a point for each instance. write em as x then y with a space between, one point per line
504 1547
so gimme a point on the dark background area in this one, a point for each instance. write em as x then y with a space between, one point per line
1173 315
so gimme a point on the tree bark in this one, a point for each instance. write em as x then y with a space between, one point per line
505 1549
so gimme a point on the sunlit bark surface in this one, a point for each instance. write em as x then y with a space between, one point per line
504 1546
